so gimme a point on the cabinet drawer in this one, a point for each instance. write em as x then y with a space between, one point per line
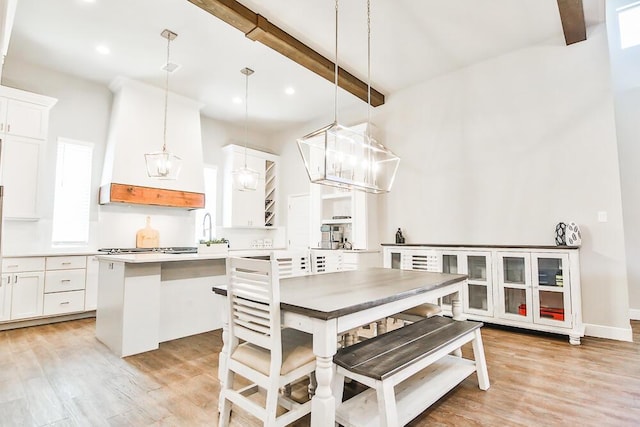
66 262
63 302
64 280
14 265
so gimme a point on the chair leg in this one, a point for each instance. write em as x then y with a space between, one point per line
311 389
224 404
271 405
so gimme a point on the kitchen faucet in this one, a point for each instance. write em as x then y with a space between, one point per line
204 220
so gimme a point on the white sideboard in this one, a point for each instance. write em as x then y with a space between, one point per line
532 287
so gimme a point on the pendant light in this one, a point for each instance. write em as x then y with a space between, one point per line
340 156
246 179
164 164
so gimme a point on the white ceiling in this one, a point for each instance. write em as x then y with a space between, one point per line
412 41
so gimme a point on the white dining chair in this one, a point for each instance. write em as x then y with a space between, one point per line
292 263
269 357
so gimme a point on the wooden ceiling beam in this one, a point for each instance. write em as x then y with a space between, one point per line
258 28
572 17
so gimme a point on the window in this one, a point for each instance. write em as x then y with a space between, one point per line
72 193
210 184
629 24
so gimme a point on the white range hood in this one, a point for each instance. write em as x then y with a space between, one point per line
136 128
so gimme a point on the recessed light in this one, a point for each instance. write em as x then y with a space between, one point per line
237 100
290 90
89 1
103 49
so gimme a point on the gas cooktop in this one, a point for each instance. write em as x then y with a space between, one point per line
170 250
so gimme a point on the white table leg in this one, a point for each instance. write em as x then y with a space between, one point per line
456 306
323 404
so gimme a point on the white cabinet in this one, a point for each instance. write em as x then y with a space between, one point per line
249 208
91 283
25 278
533 287
27 296
44 286
20 166
353 210
24 120
64 284
5 298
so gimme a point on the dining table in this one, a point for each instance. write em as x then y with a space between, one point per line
328 304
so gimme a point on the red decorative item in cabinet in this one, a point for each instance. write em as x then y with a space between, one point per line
548 312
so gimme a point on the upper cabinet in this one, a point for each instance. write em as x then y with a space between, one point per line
353 211
257 208
24 119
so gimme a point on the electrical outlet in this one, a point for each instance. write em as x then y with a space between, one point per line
602 216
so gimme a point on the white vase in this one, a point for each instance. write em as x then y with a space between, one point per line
572 235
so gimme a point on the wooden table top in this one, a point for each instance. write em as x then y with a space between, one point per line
330 295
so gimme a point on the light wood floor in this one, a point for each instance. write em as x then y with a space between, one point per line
60 375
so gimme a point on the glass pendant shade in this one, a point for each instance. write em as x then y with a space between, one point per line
340 156
163 165
246 179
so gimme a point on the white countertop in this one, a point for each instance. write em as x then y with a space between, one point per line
157 257
52 252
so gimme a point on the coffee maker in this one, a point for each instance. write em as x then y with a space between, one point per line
332 236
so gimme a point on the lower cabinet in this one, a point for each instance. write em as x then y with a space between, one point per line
36 287
5 298
27 294
533 287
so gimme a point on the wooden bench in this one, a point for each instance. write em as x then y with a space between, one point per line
407 370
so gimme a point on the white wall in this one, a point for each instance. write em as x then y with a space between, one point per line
499 153
625 68
83 113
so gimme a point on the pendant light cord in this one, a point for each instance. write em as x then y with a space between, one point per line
246 116
166 94
335 73
369 68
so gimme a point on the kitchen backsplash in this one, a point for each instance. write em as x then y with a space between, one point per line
117 226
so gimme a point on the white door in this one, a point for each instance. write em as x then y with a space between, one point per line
5 297
3 114
20 163
27 295
298 222
26 119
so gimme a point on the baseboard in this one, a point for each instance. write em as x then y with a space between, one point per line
634 314
609 332
15 324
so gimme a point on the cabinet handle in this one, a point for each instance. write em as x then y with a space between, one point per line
1 126
8 128
65 280
12 266
66 263
64 303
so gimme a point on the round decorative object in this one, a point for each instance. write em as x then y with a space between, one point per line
573 236
561 229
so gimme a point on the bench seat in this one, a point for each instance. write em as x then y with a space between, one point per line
407 370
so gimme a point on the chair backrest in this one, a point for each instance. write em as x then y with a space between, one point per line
326 261
292 263
253 297
426 260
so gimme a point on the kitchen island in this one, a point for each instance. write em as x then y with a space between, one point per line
149 298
